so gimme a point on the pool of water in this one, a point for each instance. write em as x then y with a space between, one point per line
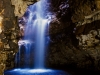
35 72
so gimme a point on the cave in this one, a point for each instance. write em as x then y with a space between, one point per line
71 35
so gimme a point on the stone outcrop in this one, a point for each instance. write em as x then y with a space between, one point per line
8 35
97 3
3 59
21 6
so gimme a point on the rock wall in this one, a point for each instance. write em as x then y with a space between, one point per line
8 35
21 6
74 36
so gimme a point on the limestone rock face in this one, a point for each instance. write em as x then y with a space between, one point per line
3 59
85 37
74 35
21 6
97 2
8 35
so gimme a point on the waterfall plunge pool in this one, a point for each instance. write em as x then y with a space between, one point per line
35 72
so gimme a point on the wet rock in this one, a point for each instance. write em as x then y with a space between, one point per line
2 68
3 59
80 9
1 18
21 6
89 39
8 32
97 2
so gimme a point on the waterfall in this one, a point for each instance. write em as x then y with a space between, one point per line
30 59
35 32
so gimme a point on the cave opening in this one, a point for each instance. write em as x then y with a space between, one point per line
34 26
71 43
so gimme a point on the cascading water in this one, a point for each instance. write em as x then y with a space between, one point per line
34 28
40 43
